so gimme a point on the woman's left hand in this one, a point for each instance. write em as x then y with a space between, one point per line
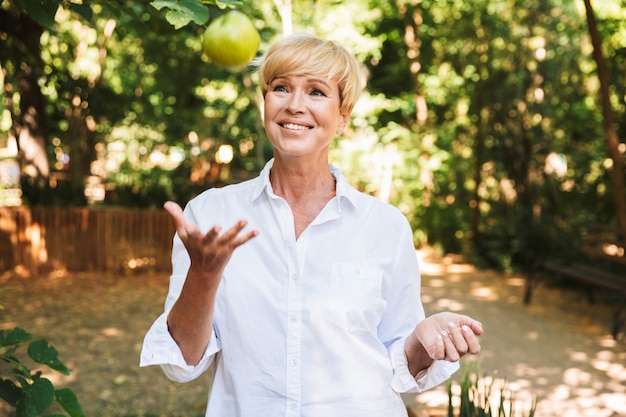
449 336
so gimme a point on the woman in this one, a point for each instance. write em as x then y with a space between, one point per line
308 301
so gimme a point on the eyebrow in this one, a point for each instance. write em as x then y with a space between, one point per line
309 79
312 80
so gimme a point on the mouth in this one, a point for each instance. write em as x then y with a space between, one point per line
294 126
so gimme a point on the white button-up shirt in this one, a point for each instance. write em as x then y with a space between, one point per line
308 327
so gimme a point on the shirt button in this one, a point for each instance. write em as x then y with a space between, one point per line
293 406
293 318
293 362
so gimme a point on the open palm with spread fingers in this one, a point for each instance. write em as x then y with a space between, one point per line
209 252
449 336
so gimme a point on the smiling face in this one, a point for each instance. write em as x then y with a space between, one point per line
302 115
310 87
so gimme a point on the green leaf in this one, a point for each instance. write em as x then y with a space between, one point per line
197 12
69 402
10 392
177 18
182 12
41 11
35 399
83 10
7 356
231 3
41 352
222 4
22 381
14 337
159 4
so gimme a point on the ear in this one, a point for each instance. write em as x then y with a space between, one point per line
343 122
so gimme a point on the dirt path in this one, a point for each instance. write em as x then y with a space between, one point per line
558 349
561 353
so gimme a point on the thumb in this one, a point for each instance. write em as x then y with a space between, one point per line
179 218
475 325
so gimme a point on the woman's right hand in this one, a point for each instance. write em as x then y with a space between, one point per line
209 252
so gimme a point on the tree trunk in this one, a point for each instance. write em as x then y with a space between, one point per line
610 135
412 17
285 10
29 120
81 132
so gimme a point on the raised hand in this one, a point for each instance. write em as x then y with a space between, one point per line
449 336
209 252
191 318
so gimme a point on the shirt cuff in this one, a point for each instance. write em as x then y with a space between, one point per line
404 382
159 348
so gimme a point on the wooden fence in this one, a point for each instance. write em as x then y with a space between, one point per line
44 239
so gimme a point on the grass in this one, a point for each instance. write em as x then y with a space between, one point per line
483 396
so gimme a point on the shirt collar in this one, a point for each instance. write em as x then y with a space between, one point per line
263 181
344 190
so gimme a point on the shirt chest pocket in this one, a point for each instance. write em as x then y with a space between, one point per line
355 300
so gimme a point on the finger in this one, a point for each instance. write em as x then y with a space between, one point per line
179 218
474 325
174 210
233 237
251 234
473 345
231 234
438 350
451 353
477 327
212 234
458 338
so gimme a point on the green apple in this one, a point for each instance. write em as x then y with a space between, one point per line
231 40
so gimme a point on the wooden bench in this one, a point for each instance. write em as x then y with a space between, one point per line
601 263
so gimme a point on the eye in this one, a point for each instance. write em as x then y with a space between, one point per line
279 88
318 92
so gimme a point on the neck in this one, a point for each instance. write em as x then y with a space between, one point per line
306 190
301 182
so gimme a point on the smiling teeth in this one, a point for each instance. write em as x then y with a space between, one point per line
293 126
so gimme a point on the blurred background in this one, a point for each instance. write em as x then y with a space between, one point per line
496 126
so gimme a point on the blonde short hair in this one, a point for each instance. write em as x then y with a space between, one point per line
302 54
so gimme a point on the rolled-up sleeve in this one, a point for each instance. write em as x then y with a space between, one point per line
403 381
159 348
404 312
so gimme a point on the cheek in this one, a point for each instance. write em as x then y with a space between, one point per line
270 107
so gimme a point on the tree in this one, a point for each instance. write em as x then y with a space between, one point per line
610 135
80 91
467 108
21 68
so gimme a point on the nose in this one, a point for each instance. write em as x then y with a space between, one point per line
296 102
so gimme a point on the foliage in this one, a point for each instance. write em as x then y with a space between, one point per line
182 12
178 13
27 390
504 94
477 399
479 119
43 12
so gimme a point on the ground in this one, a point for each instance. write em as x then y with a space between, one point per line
558 349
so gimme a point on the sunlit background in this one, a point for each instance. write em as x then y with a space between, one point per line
484 122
